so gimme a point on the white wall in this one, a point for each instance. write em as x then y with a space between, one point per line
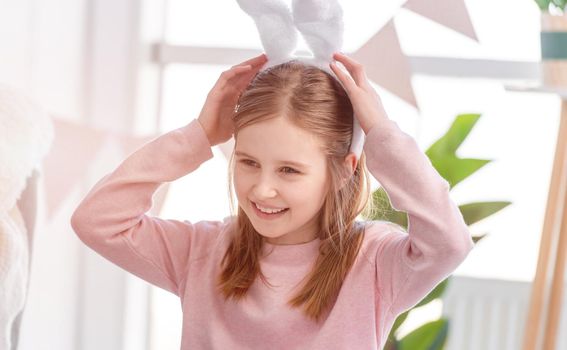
84 60
41 53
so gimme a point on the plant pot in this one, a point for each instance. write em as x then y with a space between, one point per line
554 50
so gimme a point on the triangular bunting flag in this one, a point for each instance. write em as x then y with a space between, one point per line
450 13
74 148
386 64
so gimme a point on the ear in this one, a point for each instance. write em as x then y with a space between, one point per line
350 163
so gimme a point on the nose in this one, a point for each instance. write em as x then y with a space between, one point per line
265 187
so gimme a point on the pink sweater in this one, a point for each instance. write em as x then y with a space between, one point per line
391 274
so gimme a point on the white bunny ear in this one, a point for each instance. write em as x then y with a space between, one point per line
321 24
275 24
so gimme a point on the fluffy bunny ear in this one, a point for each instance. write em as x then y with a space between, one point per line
321 24
276 28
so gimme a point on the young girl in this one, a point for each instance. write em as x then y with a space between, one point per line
292 269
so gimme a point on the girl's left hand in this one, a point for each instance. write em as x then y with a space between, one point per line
366 102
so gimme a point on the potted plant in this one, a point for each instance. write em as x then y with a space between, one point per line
553 42
442 154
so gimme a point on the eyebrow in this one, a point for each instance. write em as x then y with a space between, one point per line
290 162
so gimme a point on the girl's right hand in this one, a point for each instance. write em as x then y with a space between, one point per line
218 110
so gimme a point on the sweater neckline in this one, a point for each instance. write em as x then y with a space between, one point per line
293 254
313 241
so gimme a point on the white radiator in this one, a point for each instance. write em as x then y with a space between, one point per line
489 314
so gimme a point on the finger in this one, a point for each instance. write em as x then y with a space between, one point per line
238 78
227 76
347 81
355 68
235 70
260 59
255 63
242 80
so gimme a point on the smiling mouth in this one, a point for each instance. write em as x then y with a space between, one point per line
264 214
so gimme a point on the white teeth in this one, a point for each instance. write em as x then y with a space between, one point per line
267 210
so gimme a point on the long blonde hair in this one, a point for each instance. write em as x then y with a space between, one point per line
313 100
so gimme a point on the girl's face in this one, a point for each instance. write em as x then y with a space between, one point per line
280 166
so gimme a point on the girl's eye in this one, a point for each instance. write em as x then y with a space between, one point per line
248 162
285 169
290 170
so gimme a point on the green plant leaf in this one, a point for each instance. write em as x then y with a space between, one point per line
478 238
443 152
391 344
454 137
474 212
455 170
559 3
385 210
398 322
430 336
543 4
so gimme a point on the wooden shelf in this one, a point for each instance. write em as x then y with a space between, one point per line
546 295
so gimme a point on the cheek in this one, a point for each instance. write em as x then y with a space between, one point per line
239 182
309 193
319 191
243 184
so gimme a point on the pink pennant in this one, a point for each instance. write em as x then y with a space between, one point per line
450 13
74 147
386 64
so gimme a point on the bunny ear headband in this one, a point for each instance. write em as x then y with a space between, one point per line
320 23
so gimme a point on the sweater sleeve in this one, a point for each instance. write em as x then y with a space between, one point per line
111 218
410 264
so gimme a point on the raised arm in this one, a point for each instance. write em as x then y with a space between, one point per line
111 219
409 265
